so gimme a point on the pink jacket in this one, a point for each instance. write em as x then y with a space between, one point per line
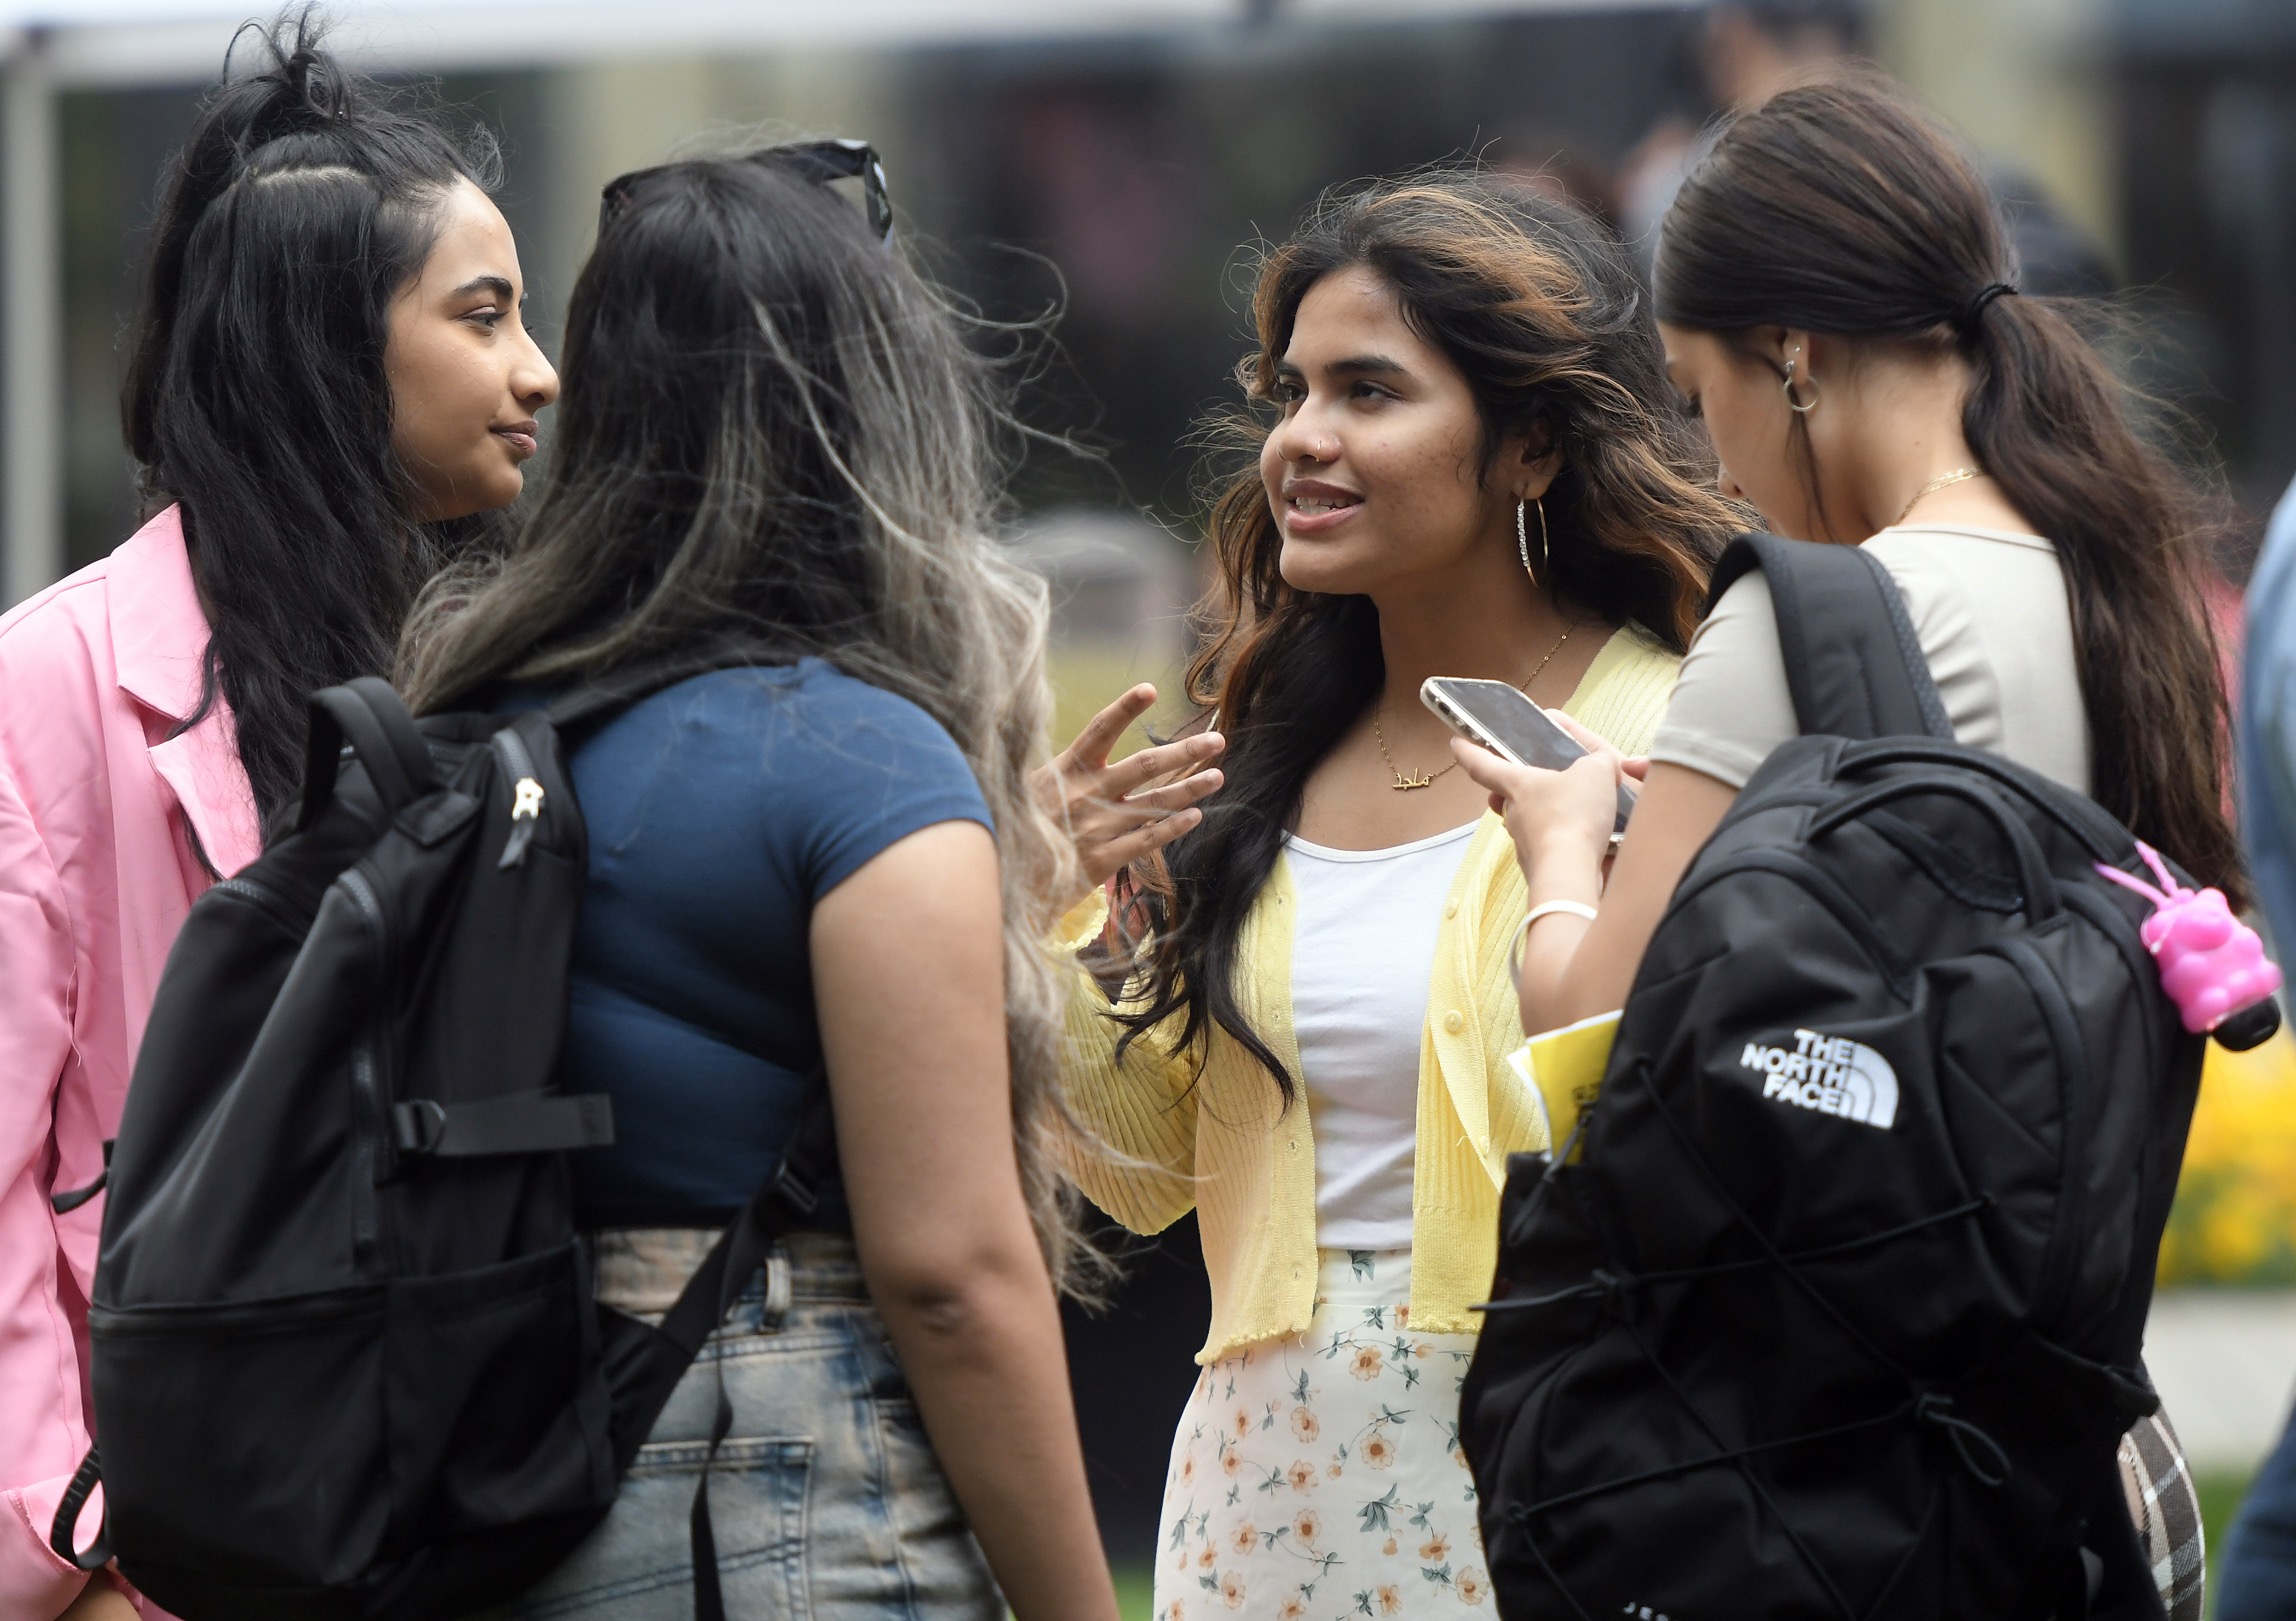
100 808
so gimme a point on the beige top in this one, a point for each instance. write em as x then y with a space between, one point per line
1992 616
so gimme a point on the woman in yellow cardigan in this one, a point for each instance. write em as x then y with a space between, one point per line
1297 1020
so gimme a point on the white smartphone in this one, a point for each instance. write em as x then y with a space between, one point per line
1501 719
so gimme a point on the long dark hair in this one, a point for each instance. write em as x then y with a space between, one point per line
1838 207
256 397
1541 310
775 442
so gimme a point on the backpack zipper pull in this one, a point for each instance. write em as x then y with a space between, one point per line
525 817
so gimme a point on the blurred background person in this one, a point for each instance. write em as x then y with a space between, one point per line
2258 1581
1749 50
777 455
330 390
1472 469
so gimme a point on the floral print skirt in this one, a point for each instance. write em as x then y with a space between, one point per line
1318 1477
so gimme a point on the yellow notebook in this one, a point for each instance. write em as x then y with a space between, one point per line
1564 1068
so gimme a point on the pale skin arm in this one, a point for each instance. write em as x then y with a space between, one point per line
1560 821
908 967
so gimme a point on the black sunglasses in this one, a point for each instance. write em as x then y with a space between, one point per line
818 161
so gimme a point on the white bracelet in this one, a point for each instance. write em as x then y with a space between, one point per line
1543 909
1548 908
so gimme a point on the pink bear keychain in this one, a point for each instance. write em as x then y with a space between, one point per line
2211 964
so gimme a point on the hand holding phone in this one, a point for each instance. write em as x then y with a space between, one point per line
1501 718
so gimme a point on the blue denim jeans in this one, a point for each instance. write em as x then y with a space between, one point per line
826 1499
2258 1579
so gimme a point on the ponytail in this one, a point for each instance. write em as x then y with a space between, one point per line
257 400
1838 208
2045 420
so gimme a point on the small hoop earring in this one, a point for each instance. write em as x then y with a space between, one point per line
1794 405
1523 538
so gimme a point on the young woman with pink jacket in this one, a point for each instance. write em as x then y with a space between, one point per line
330 388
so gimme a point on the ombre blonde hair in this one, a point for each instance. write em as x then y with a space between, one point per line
775 443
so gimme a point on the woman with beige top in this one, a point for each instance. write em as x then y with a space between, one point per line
1836 299
1470 471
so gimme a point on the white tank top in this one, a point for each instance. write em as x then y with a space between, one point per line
1363 948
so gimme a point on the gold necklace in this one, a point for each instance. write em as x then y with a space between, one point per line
1960 475
1404 783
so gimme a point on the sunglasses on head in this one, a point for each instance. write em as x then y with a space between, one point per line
818 161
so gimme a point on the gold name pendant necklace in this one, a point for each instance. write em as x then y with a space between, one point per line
1404 782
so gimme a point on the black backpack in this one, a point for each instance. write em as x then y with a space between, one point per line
346 1362
1831 1310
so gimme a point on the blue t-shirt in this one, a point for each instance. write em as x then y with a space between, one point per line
719 811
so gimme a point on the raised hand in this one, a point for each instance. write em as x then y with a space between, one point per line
1119 813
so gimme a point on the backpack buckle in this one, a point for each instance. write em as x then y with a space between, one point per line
794 1192
418 1126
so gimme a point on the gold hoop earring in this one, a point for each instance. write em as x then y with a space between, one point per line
1523 538
1794 405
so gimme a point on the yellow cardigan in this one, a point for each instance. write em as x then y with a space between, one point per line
1225 1145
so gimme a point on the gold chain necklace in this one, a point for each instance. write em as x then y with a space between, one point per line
1403 782
1960 475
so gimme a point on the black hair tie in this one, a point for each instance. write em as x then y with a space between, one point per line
1975 309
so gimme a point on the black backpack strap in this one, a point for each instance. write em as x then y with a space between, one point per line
518 1123
1853 662
368 715
781 1206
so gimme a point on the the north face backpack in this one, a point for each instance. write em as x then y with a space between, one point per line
1833 1307
346 1360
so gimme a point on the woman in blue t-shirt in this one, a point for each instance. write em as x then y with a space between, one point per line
773 461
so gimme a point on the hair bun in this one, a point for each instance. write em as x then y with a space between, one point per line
300 90
315 83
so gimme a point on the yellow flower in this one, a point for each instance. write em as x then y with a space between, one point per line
1378 1451
1304 1425
1367 1362
1204 1559
1333 1471
1230 1463
1307 1525
1390 1601
1435 1547
1232 1589
1292 1609
1470 1585
1246 1539
1302 1475
2235 1215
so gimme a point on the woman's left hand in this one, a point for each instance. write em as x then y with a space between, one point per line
1556 818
